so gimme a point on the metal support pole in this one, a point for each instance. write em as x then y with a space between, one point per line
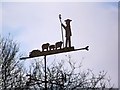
45 73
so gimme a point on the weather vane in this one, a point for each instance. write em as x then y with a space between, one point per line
58 47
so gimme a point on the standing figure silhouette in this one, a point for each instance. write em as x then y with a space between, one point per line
68 32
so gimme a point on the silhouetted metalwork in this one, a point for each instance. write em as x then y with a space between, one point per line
38 53
45 46
68 32
45 73
58 45
52 47
48 49
61 29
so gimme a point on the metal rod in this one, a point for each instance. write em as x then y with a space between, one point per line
61 29
45 73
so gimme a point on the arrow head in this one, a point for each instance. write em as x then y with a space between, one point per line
87 48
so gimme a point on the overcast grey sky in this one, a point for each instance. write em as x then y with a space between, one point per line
94 24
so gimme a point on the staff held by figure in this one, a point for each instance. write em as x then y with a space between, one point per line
61 29
68 32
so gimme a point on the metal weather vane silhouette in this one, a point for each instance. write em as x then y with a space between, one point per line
57 48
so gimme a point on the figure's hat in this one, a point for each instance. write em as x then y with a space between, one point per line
68 20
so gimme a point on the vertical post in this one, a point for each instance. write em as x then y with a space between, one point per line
45 73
